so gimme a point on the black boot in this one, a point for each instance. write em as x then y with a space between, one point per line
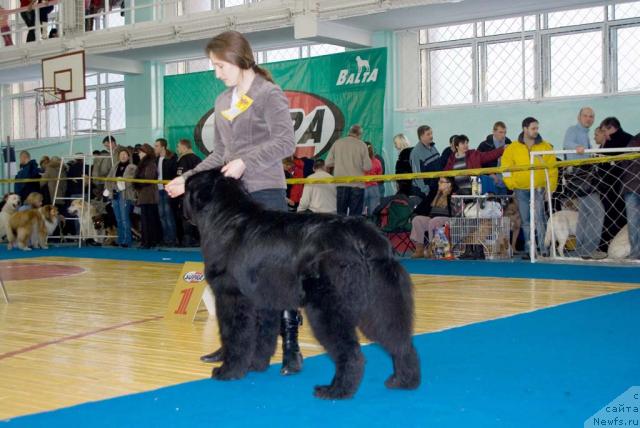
214 357
291 356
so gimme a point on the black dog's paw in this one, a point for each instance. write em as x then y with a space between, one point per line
259 366
395 382
331 392
224 372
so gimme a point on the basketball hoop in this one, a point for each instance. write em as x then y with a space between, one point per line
48 95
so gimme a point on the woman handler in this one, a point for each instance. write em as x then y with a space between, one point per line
253 133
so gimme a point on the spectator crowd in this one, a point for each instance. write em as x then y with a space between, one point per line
606 197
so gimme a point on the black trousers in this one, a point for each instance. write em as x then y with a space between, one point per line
186 232
29 18
151 227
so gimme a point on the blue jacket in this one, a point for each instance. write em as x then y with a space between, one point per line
28 170
576 135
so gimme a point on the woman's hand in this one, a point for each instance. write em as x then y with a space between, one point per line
234 169
175 187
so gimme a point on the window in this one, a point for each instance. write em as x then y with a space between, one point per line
550 54
231 3
276 55
83 111
450 73
503 26
575 17
175 67
261 57
32 121
24 116
451 32
195 6
627 10
509 70
575 64
187 66
103 108
324 49
627 58
197 65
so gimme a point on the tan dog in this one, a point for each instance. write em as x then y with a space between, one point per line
85 215
32 226
10 204
512 212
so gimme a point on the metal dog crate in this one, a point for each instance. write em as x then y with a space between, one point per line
492 233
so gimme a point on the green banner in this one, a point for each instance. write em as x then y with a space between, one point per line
327 95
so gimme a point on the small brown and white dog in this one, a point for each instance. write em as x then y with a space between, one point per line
10 204
32 226
85 213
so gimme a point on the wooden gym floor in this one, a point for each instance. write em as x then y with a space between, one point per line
80 330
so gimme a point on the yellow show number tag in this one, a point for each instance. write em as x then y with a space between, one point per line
242 105
186 297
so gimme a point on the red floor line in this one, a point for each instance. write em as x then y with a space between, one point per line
75 336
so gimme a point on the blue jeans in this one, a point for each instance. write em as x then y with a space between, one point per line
590 221
271 199
122 210
523 197
166 218
632 201
350 200
371 198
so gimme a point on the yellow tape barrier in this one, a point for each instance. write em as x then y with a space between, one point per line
388 177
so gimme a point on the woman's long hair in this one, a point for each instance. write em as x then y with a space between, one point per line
234 48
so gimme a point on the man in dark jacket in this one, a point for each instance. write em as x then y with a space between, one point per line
167 163
494 141
403 164
610 183
75 170
28 169
631 190
187 232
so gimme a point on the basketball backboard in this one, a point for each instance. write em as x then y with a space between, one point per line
63 78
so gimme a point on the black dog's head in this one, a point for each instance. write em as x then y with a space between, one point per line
210 189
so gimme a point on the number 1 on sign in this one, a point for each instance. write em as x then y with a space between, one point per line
184 302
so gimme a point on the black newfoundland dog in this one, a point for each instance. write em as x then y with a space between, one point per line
341 269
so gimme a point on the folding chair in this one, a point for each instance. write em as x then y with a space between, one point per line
401 242
393 217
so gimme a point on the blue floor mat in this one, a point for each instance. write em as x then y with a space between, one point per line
551 368
502 269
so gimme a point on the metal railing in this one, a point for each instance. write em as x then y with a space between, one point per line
14 29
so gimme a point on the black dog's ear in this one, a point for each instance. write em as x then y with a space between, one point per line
200 188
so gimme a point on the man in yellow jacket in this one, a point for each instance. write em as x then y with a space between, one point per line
518 153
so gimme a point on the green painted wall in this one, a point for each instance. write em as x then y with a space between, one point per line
143 100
